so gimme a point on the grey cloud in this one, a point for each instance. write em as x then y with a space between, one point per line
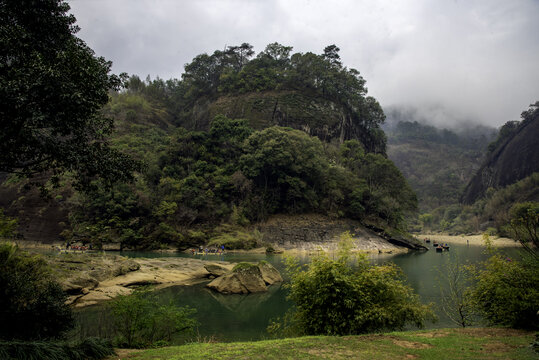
474 59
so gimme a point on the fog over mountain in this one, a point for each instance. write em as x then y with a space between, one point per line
455 60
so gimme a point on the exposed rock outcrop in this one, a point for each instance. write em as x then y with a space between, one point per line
270 274
91 278
512 160
311 232
246 278
218 269
315 115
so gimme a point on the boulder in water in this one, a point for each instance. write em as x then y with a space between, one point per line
246 278
218 269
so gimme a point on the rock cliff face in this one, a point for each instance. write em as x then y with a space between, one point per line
312 232
314 115
514 159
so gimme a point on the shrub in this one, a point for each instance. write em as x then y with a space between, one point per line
524 222
32 304
89 349
507 292
141 322
339 297
236 239
8 226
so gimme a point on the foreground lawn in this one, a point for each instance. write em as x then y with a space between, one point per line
473 343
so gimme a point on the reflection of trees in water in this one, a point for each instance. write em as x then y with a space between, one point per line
93 321
244 304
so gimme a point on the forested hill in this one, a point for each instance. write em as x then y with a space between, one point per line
305 91
437 162
217 159
512 157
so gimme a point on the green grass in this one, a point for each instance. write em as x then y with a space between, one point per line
473 343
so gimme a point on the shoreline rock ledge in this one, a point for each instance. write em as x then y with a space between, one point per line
245 278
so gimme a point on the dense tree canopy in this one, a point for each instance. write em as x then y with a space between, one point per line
52 88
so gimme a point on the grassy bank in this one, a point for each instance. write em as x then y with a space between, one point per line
469 343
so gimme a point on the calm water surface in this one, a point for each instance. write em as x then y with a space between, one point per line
245 317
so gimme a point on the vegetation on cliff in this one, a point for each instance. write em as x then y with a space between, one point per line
438 163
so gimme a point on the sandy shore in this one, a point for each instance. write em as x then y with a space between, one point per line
476 240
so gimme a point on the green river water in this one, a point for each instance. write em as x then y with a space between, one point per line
245 317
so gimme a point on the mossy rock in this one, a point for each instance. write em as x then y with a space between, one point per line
245 267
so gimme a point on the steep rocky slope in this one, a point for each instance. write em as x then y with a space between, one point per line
312 114
513 159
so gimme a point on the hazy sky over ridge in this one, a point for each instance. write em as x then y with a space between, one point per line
456 60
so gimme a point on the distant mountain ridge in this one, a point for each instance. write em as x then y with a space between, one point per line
438 163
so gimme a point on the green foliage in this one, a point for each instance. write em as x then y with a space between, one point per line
507 292
524 220
89 349
141 322
235 71
495 210
233 238
340 296
32 303
436 162
116 214
244 266
52 89
506 131
8 226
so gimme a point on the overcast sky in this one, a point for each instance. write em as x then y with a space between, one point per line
452 59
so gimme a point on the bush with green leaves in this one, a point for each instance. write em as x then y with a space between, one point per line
507 292
8 226
524 222
348 295
32 303
140 321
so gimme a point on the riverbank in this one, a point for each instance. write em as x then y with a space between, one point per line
440 344
474 240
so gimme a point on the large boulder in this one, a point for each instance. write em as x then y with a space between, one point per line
218 269
245 278
269 273
75 285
